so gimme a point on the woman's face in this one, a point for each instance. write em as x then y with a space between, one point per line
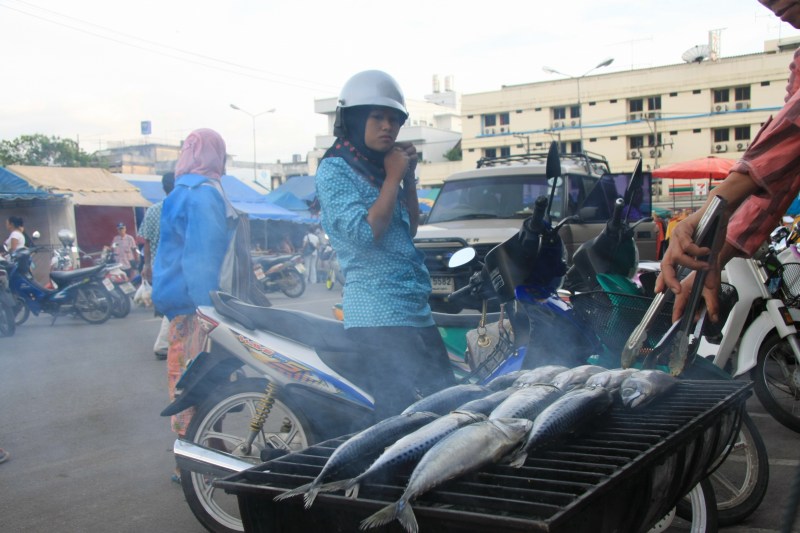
383 125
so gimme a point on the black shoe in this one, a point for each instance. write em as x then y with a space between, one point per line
161 355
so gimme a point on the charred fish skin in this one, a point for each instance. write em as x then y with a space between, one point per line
610 379
446 400
488 403
645 386
463 451
542 374
363 444
575 377
504 381
562 416
409 448
527 402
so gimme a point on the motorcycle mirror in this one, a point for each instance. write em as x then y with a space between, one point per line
462 257
553 170
634 184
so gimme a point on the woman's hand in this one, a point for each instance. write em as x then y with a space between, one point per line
396 161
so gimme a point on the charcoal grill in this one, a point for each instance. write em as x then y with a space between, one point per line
621 474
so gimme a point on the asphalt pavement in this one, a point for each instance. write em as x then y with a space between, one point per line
90 453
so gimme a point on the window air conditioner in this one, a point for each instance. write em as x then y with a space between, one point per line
742 105
502 130
654 114
558 123
722 147
655 153
635 154
636 116
488 131
719 108
574 123
742 146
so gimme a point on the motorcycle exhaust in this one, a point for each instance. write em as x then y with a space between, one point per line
197 458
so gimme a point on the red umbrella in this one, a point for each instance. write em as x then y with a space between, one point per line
705 168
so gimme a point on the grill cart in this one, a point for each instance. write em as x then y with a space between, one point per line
623 473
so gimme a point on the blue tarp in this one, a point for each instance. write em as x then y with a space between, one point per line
286 200
301 187
13 187
240 195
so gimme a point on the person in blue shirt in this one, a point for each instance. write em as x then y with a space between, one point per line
370 211
195 231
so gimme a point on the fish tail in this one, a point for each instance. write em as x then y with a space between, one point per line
352 491
335 486
310 496
399 510
518 459
294 492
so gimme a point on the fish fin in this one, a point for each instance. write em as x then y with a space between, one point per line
294 492
310 496
384 516
518 459
407 519
335 486
352 491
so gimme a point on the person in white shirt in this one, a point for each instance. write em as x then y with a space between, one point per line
16 238
310 254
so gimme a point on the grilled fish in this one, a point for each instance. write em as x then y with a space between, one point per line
504 380
610 379
562 416
487 404
542 374
527 402
366 443
644 386
446 400
575 377
409 448
461 452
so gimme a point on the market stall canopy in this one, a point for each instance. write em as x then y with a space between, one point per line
707 168
286 200
302 187
85 186
13 187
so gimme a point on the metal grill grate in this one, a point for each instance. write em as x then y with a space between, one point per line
623 473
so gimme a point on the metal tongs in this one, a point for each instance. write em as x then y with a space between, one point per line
676 340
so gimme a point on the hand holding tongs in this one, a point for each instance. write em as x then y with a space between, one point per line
707 233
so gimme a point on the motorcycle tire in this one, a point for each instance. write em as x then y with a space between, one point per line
121 303
222 422
702 514
776 380
7 315
93 303
292 283
21 311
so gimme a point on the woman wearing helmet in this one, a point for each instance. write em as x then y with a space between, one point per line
369 209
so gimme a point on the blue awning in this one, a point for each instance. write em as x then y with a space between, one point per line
13 187
302 187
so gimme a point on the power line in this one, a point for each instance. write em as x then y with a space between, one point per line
267 76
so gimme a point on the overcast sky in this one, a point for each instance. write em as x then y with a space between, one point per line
93 70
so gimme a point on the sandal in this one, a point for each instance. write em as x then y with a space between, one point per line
176 478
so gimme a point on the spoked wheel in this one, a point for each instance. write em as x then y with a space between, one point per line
121 303
292 283
93 303
223 423
776 379
703 512
21 311
7 315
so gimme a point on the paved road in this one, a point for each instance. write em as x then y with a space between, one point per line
79 415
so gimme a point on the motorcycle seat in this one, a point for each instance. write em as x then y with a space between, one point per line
62 278
267 262
318 332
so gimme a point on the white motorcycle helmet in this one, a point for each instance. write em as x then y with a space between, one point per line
370 87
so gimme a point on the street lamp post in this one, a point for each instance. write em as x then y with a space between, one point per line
253 117
577 79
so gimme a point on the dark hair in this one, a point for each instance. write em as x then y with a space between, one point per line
168 182
16 221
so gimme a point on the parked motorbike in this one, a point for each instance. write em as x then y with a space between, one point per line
83 292
7 323
284 273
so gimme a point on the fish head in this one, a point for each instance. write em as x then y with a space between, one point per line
513 428
635 391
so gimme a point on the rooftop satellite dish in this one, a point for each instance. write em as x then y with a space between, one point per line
697 53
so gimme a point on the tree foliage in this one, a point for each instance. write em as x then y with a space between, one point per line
454 154
41 150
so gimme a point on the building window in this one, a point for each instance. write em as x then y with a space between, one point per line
722 135
742 93
672 95
503 117
489 121
490 152
722 95
559 113
635 142
575 147
765 84
574 111
654 103
741 133
654 140
505 151
636 105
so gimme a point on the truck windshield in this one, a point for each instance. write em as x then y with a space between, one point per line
495 197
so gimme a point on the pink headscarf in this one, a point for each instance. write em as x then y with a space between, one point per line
203 153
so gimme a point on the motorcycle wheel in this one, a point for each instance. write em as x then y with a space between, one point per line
21 311
7 315
120 303
93 303
702 508
776 379
292 283
222 422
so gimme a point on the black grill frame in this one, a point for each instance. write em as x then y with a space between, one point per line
621 474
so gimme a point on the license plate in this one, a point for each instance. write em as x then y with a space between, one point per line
442 284
259 273
127 288
300 268
108 285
